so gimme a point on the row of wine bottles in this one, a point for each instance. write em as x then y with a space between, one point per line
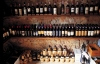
48 54
53 30
41 9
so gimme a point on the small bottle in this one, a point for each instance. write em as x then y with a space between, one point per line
52 59
54 52
72 9
59 51
47 59
45 52
49 50
57 59
62 59
67 59
91 8
42 59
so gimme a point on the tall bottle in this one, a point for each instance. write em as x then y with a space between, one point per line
96 8
45 9
37 9
32 9
28 9
66 30
15 9
86 12
55 9
81 8
50 10
62 8
67 9
11 9
41 8
72 9
20 10
91 8
24 9
77 8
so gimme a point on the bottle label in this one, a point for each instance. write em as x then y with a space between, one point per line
77 11
92 33
67 10
45 33
16 11
59 33
86 10
62 33
41 10
23 33
56 33
45 9
29 9
54 10
13 32
7 33
50 33
72 33
69 33
91 8
53 33
37 10
72 9
89 33
96 8
25 11
66 33
20 11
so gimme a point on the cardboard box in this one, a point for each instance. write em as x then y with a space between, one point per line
93 50
77 53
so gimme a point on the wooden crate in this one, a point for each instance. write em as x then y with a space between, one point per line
93 50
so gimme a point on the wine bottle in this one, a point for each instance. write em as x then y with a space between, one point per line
56 30
67 9
24 9
91 8
96 8
37 9
20 10
66 30
82 7
55 9
28 9
41 8
50 10
86 12
15 9
45 30
45 9
77 8
72 9
32 9
62 8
